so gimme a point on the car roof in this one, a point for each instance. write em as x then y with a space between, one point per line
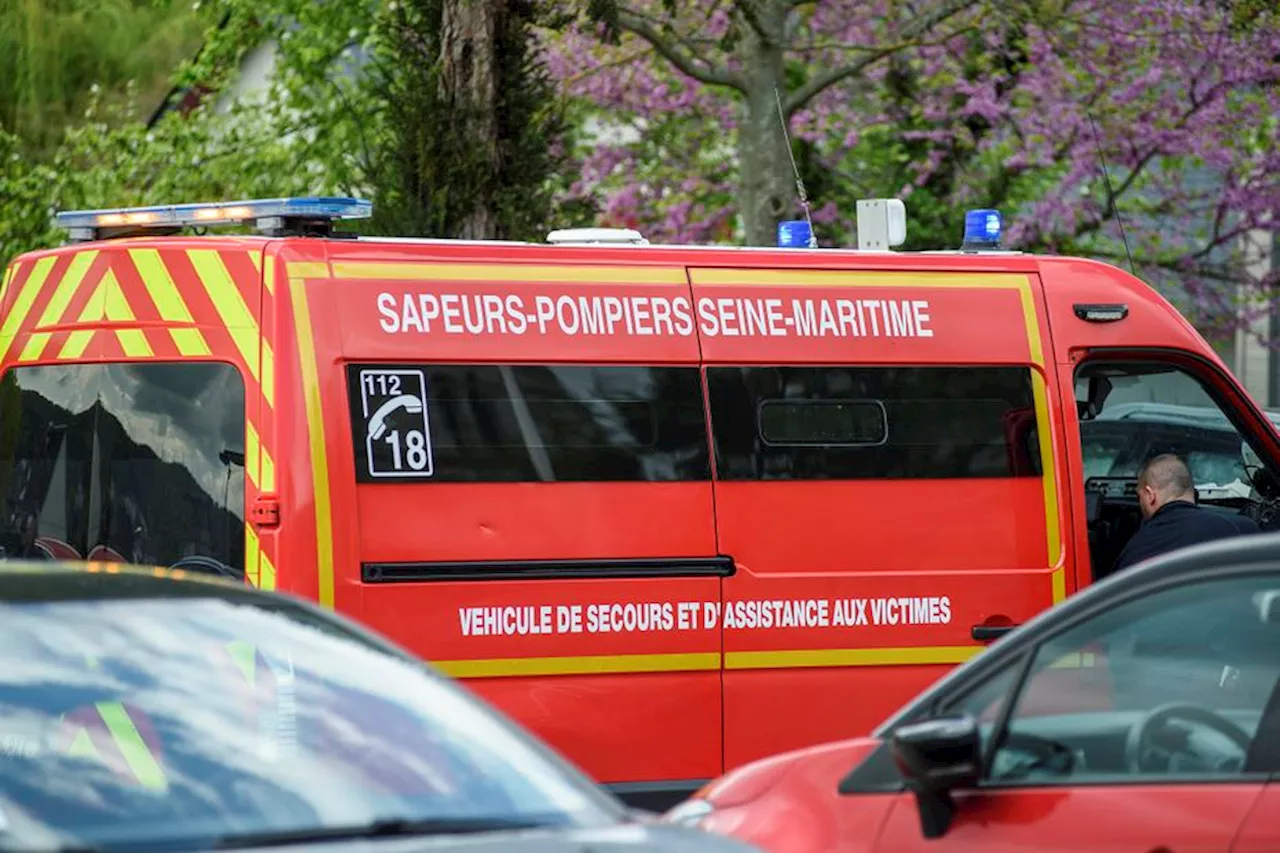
56 580
1254 551
68 578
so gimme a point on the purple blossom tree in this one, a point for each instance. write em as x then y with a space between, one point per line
1074 117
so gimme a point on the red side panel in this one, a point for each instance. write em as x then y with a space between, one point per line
906 567
625 697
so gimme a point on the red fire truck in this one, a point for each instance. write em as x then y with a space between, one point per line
673 508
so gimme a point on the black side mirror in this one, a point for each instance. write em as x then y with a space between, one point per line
936 757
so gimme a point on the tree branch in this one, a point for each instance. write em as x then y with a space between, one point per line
916 28
686 62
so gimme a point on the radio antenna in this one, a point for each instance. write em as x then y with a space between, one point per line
795 170
1111 193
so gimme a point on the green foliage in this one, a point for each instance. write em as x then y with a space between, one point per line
113 159
432 166
54 52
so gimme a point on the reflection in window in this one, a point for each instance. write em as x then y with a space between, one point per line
136 462
938 422
536 423
1089 690
248 720
1154 409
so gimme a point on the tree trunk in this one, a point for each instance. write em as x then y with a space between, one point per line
766 186
468 79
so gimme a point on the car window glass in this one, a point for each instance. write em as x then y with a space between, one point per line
1174 683
1101 452
986 701
1158 409
171 722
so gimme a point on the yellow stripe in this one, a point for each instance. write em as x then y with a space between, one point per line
132 746
1045 432
116 309
160 287
66 289
134 343
9 272
190 342
245 657
231 307
82 745
1075 660
94 308
252 550
267 579
707 661
594 664
35 346
315 435
252 453
850 657
508 272
255 257
268 472
17 314
1059 581
839 278
168 301
63 293
268 382
307 269
77 342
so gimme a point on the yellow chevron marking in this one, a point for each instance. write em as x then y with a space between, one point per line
168 301
17 313
231 307
63 293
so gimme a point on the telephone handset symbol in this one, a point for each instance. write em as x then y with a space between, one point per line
378 423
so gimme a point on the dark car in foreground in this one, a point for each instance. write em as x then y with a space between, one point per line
151 710
1141 714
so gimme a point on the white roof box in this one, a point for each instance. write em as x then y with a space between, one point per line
596 237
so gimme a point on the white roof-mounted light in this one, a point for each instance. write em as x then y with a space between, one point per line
882 224
596 237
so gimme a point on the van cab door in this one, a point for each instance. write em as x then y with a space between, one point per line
886 484
1139 381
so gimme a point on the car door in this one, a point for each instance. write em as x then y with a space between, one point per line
1149 724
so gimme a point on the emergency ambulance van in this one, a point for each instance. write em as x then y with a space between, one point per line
673 508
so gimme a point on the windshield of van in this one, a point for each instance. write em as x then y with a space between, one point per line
166 723
135 462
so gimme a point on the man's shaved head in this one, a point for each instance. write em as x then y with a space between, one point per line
1163 479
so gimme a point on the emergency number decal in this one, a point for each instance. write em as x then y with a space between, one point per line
390 424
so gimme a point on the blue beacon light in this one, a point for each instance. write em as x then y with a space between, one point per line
796 234
981 230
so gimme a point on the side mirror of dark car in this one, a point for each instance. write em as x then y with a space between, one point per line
936 757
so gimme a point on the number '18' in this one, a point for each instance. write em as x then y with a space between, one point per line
414 449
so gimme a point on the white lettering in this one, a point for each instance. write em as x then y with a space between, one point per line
663 316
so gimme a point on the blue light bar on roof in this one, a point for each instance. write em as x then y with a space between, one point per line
216 213
796 234
982 229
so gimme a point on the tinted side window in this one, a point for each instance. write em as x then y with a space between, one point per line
814 423
527 423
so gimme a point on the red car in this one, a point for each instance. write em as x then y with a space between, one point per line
1141 715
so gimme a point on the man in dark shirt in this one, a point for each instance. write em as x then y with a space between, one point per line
1167 498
